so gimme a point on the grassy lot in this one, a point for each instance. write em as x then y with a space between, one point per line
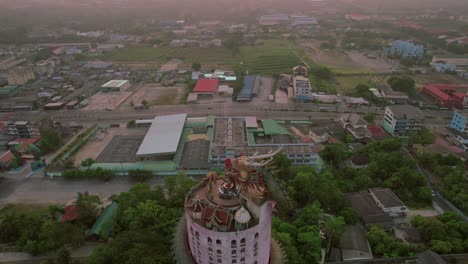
274 56
346 84
29 209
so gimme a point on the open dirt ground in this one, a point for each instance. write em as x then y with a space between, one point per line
106 100
348 61
156 94
101 138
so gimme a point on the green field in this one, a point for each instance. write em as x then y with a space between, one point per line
274 56
29 209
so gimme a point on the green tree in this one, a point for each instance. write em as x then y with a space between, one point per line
309 243
50 140
87 162
140 175
63 256
423 136
369 117
178 187
349 215
335 154
323 73
196 66
88 208
404 84
131 124
334 228
282 166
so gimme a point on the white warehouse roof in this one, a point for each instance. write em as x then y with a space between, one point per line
115 83
163 135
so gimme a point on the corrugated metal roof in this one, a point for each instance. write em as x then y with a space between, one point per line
115 83
163 135
271 127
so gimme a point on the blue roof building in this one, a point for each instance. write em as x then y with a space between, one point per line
251 85
406 49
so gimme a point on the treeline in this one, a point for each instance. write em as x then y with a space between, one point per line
450 170
144 223
389 166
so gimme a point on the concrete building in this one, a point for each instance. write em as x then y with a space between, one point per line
459 128
355 125
162 139
237 136
228 222
354 244
273 20
443 67
457 60
402 120
448 96
22 129
302 88
115 86
388 202
21 75
406 49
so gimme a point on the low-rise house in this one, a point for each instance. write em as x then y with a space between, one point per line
206 87
402 120
367 210
300 71
225 90
355 125
115 86
388 202
448 96
319 135
8 91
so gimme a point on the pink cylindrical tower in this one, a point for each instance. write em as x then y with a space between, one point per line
229 220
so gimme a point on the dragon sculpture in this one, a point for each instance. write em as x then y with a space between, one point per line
245 164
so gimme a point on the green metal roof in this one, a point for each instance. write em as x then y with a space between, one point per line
271 127
104 224
6 90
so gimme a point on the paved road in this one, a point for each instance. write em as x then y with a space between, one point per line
25 187
259 109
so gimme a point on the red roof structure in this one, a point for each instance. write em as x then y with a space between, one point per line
377 132
448 96
206 86
71 214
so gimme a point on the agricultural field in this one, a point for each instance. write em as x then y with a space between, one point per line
274 56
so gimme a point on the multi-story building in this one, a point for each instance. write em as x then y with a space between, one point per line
448 96
457 60
459 128
22 129
402 120
228 219
21 75
302 88
406 49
